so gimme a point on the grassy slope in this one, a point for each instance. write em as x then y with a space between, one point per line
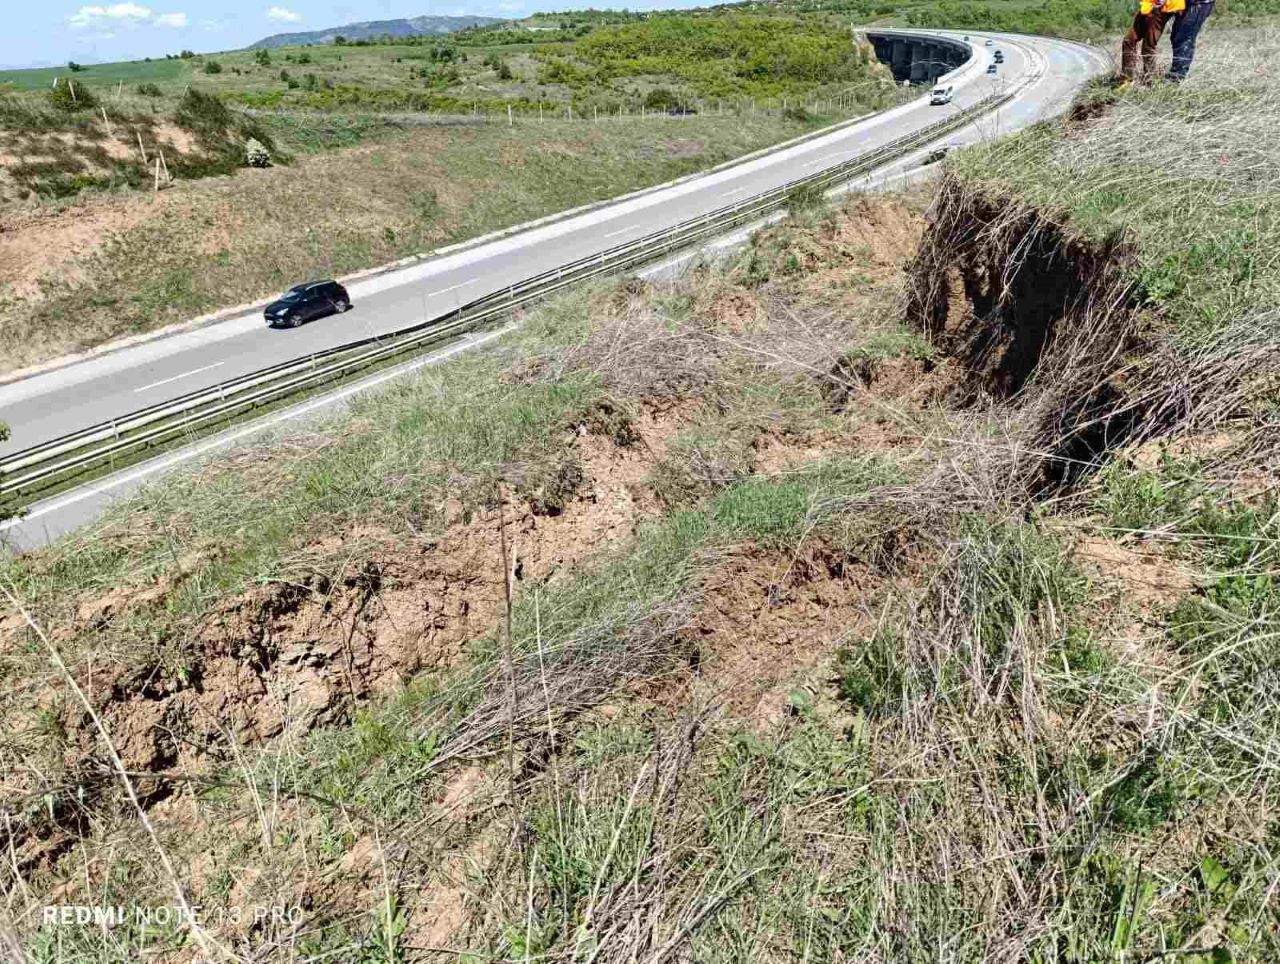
795 670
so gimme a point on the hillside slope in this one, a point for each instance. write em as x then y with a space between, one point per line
425 26
902 588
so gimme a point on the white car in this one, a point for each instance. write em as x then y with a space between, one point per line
991 43
941 94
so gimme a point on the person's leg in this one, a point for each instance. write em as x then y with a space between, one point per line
1185 32
1129 49
1154 29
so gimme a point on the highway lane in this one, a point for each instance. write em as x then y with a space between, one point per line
110 386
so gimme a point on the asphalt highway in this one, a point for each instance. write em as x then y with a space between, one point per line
112 385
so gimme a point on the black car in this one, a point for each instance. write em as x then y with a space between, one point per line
304 302
991 68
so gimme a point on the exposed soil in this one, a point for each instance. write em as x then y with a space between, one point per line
1147 581
768 619
1032 312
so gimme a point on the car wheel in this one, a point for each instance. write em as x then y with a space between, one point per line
341 305
296 321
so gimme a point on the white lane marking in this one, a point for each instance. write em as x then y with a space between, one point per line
174 378
738 190
445 291
827 157
614 234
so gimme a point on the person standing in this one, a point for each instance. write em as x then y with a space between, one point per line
1185 30
1148 27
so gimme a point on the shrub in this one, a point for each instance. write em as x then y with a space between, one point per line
67 95
149 90
262 58
212 67
203 113
255 154
74 67
504 72
661 98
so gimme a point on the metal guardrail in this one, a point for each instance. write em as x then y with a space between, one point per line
26 473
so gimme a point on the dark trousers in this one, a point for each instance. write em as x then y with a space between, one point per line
1185 30
1147 29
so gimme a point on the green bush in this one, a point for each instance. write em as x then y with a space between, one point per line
149 90
203 113
661 98
68 95
212 67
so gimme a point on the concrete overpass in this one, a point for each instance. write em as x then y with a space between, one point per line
918 58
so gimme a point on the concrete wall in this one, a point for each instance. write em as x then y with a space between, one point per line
916 59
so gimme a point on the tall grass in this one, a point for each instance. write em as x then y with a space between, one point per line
1187 172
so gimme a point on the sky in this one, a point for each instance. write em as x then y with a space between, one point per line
55 31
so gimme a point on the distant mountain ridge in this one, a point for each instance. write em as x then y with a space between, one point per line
369 29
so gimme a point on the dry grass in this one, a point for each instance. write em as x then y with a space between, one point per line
1172 292
847 689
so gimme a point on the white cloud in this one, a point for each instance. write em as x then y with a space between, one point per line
87 17
510 6
280 13
171 20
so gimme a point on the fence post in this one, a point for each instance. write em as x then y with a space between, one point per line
509 120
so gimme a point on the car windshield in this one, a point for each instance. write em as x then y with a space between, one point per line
294 294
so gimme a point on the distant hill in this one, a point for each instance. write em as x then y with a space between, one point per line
369 29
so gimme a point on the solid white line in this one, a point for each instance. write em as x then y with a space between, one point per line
221 441
735 191
443 291
166 381
614 234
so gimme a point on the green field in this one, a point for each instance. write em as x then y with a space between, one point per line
169 73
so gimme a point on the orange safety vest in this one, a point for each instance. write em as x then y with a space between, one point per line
1169 6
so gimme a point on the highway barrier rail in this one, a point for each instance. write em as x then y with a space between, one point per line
28 474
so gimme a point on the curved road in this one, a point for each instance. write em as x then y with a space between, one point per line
89 392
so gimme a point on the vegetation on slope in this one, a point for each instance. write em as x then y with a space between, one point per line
1075 19
730 619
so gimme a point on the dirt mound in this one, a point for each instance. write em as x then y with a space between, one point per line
291 655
